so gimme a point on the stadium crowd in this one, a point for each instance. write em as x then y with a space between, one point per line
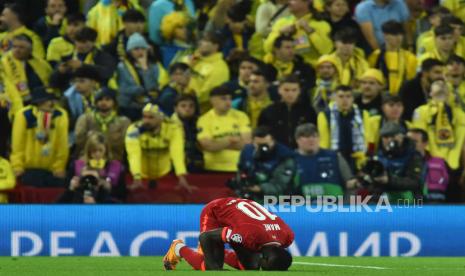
307 97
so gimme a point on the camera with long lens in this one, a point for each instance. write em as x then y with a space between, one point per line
372 169
262 152
254 175
239 185
88 185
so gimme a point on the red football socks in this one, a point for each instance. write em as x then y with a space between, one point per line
196 260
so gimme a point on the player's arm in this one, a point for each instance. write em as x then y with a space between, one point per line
213 249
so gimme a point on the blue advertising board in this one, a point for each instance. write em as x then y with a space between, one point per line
141 230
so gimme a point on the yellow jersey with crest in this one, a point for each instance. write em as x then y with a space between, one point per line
150 154
214 126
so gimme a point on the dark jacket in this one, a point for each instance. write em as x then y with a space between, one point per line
117 47
229 44
194 156
412 95
167 99
348 22
101 196
239 92
45 31
104 62
283 121
302 70
274 174
407 174
373 107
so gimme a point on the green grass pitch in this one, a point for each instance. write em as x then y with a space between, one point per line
327 266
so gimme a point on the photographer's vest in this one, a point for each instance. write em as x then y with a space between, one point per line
397 167
262 170
319 175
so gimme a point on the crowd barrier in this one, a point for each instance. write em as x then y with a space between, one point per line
210 186
136 230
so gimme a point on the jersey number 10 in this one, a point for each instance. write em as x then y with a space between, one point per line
255 210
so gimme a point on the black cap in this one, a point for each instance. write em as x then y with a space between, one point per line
40 94
106 92
87 72
391 129
306 130
221 90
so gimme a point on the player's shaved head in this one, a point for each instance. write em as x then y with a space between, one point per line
275 258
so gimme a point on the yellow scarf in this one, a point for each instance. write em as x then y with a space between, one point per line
444 131
352 69
64 25
135 76
97 164
120 47
323 91
283 68
395 62
132 71
435 54
254 108
104 122
15 70
238 41
88 102
347 71
457 95
107 22
89 59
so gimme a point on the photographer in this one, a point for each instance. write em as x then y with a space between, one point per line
89 188
321 172
265 167
397 169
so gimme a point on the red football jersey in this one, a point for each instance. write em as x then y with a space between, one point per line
249 224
